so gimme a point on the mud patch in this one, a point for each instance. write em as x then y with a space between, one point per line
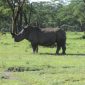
75 80
48 66
22 69
72 80
68 67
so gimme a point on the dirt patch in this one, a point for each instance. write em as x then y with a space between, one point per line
6 75
9 76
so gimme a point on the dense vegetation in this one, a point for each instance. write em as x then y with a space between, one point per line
48 14
19 66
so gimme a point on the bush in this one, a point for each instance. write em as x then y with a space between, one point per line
83 36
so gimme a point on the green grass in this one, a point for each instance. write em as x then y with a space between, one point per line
43 68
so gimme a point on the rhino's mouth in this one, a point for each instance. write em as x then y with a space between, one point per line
13 35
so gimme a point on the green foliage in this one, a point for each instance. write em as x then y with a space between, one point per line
47 14
83 35
5 17
72 14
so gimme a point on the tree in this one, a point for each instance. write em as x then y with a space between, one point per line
4 16
16 8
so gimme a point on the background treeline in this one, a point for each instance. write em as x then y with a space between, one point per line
69 16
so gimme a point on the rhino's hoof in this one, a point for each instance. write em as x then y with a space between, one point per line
63 53
57 54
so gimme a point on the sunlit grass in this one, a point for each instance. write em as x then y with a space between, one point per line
44 68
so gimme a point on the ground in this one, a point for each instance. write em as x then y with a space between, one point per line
19 66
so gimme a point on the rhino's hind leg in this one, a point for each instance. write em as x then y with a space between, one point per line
36 48
63 50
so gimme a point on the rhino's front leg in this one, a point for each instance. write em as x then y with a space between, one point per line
34 47
58 49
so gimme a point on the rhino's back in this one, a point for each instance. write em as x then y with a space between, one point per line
47 36
50 29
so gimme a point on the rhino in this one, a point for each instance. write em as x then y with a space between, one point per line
43 37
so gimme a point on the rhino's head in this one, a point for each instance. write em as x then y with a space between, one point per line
21 35
18 37
24 33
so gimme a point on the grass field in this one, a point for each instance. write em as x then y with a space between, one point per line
19 66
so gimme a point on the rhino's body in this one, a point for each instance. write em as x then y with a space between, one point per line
43 37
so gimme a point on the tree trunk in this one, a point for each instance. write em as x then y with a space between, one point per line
30 13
